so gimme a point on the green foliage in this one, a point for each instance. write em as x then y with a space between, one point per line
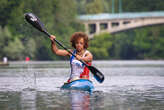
123 46
15 50
59 19
142 5
100 45
149 43
31 48
144 43
19 39
5 37
95 7
92 6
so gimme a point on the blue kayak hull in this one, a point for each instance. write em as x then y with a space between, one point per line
80 84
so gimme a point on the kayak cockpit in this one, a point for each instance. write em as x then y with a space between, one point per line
79 84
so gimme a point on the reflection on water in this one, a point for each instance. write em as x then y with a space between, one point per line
79 100
28 100
128 85
75 100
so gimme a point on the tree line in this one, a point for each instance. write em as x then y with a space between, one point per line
18 39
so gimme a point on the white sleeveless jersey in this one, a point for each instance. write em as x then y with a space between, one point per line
76 66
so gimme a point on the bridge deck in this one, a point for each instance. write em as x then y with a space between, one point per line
130 15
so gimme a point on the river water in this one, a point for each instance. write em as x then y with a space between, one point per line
128 85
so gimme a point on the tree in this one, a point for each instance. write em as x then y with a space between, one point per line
15 50
5 38
142 5
122 47
100 45
95 7
148 43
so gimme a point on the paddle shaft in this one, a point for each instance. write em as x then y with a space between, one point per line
65 48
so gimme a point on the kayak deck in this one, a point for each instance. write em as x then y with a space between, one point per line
80 84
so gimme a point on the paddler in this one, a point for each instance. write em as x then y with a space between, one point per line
79 41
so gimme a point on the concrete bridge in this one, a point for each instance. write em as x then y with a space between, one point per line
114 23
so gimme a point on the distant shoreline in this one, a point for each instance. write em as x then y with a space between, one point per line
4 64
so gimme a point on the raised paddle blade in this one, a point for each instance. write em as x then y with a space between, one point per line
97 74
35 21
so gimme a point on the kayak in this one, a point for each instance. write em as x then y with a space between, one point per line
80 84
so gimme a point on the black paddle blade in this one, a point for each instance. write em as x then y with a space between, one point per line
97 74
34 20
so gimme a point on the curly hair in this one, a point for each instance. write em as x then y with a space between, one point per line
78 35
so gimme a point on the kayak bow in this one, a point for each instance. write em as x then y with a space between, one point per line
80 84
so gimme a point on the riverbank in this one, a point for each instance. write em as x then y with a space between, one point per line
4 64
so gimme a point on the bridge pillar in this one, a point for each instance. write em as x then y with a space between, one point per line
86 28
121 24
109 27
97 28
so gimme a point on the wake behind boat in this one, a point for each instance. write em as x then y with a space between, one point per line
80 84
